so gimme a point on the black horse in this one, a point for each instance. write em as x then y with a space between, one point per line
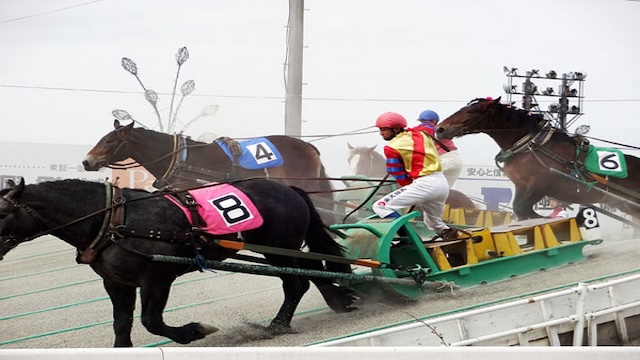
141 224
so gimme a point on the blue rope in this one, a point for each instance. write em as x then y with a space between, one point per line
201 262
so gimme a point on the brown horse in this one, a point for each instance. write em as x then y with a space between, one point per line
364 160
541 160
178 161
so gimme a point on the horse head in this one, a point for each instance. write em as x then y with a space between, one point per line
365 160
110 149
473 118
12 220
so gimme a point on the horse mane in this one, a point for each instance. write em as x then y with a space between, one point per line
521 119
47 186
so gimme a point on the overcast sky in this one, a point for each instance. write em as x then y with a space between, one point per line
60 73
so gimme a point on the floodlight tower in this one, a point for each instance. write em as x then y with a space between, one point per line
569 99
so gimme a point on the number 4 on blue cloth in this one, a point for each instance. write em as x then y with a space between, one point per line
257 153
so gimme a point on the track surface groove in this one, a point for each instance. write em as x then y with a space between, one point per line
48 302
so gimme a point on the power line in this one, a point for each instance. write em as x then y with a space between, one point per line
279 98
48 12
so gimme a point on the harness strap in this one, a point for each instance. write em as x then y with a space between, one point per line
237 245
236 151
190 203
174 237
605 181
114 217
179 164
442 145
371 194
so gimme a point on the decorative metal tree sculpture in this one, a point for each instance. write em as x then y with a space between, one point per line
152 97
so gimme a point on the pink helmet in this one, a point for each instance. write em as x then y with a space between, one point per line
391 120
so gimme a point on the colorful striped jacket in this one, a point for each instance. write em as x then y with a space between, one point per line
411 154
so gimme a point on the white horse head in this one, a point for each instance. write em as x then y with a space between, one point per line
366 161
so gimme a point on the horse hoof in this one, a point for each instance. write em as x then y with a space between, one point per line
345 309
208 329
279 329
342 300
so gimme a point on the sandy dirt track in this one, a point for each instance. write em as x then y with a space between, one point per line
48 301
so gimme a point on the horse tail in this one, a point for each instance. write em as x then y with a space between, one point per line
318 239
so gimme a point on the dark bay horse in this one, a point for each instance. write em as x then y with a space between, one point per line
365 160
142 224
183 163
529 150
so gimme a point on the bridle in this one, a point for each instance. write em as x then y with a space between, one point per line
12 240
134 164
464 130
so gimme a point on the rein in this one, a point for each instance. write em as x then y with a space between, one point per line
39 220
464 129
135 164
377 187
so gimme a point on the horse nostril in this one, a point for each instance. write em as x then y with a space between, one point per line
87 165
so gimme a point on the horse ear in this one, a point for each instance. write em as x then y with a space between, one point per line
373 147
350 147
116 124
16 190
10 184
497 101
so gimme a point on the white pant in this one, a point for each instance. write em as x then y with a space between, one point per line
451 166
429 193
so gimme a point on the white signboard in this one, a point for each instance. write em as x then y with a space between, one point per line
45 162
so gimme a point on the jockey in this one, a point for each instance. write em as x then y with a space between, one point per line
449 155
413 161
558 209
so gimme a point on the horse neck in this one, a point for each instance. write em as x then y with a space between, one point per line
61 202
502 133
151 149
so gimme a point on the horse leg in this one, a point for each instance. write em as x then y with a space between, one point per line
153 296
340 299
294 288
523 204
123 300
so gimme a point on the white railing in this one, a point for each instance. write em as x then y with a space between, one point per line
333 353
534 320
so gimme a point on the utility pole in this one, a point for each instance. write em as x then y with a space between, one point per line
293 100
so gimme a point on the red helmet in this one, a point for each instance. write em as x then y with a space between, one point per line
391 120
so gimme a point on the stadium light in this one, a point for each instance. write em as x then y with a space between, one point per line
509 89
